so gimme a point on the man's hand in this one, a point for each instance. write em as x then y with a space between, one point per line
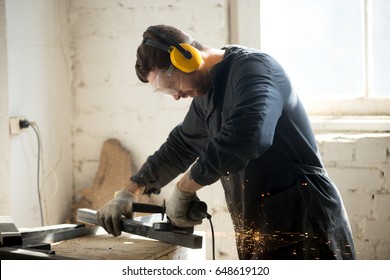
109 217
183 194
177 208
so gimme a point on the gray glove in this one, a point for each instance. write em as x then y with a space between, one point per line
109 217
177 207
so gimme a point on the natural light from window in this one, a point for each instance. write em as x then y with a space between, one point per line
331 49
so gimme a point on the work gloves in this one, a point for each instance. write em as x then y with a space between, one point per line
109 217
177 208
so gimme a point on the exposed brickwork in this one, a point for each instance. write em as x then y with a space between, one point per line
109 102
359 164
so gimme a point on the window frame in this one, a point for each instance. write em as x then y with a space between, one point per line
243 31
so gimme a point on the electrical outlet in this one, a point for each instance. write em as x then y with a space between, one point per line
14 125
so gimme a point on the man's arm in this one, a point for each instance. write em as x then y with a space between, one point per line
175 156
252 107
134 188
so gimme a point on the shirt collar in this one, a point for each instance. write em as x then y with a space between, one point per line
219 70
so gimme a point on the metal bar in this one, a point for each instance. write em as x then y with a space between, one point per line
136 227
35 231
9 233
56 236
12 253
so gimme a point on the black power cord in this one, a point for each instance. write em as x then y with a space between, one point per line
212 235
197 210
23 123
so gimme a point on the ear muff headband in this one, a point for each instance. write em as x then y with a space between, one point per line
183 56
170 41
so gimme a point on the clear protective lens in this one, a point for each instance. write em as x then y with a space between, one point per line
168 82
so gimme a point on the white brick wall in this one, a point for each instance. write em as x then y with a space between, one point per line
359 164
109 101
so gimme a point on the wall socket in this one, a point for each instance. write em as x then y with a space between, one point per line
14 126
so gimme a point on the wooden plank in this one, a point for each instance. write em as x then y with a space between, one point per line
9 233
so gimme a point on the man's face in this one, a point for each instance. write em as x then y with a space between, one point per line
177 84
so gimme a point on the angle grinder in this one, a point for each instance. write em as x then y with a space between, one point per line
197 210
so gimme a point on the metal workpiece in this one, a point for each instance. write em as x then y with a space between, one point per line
51 234
35 243
140 227
14 253
9 233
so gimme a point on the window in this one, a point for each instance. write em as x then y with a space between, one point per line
336 52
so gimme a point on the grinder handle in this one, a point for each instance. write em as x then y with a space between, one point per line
148 208
197 210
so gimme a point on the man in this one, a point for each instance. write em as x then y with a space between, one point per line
247 128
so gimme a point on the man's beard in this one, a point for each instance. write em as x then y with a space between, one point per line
201 82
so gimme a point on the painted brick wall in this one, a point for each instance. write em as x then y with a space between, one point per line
359 164
109 101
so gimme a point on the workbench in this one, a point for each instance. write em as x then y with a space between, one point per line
103 246
91 242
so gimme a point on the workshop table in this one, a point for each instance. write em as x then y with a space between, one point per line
103 246
80 241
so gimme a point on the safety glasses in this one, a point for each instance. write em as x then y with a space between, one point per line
168 81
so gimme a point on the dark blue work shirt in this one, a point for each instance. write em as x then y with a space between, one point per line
251 132
250 114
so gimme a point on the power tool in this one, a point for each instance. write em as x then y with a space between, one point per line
197 210
164 231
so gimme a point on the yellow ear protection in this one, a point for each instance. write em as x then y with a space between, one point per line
183 56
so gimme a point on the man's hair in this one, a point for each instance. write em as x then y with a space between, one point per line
150 58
